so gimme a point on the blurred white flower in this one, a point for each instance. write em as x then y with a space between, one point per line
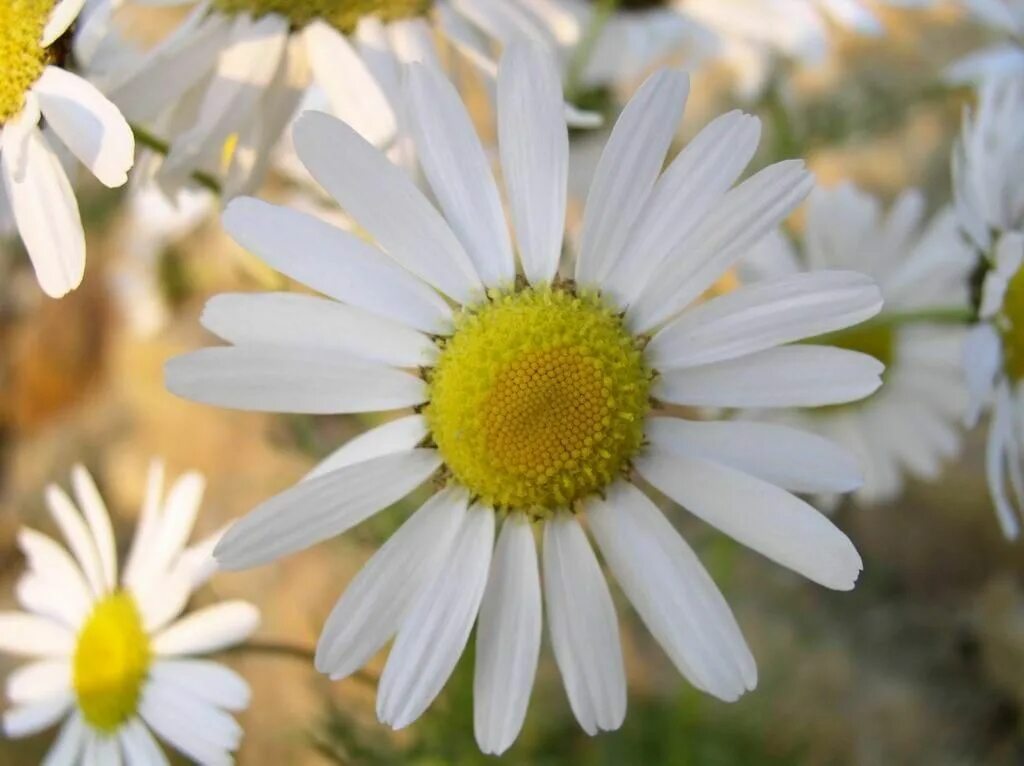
1004 59
109 655
911 425
34 87
532 393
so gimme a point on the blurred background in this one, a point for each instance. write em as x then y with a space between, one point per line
922 664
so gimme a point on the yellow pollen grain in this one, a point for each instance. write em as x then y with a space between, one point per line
22 58
343 15
1010 323
538 399
111 662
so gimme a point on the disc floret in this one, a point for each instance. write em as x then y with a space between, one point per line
1010 323
343 15
22 57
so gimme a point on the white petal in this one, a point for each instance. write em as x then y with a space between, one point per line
177 520
508 638
26 720
584 632
764 315
28 635
147 524
459 174
306 321
39 681
61 18
354 94
983 359
67 749
787 457
198 730
208 630
335 263
88 124
101 750
70 599
672 592
997 451
625 174
787 376
140 749
320 508
384 201
205 680
732 227
437 627
78 537
45 210
282 379
685 193
373 606
757 514
396 436
98 519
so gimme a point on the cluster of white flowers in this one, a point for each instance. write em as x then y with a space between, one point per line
543 382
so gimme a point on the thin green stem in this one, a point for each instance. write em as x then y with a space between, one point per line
931 315
291 651
144 138
581 55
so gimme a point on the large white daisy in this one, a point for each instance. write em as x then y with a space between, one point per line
537 398
988 165
911 425
1003 59
108 654
34 86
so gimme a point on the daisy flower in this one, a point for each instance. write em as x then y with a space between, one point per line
988 164
1002 59
34 86
537 397
108 655
911 424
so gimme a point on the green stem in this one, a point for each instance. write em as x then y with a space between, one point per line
144 138
291 651
603 11
932 314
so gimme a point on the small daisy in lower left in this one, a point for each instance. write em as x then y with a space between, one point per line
107 655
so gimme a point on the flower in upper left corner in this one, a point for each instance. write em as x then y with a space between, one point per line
108 655
35 86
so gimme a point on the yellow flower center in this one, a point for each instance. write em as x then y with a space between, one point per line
1010 322
22 58
111 662
538 398
341 14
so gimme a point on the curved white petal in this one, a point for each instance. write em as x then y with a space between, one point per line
396 436
139 746
208 630
198 730
61 18
28 635
70 599
39 681
147 524
78 536
26 720
205 680
98 519
70 742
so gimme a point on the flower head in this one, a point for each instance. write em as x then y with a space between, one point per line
109 654
536 396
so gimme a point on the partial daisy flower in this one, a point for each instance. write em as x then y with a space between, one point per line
911 425
35 86
1003 59
988 165
108 654
537 399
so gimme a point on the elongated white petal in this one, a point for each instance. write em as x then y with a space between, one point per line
788 376
70 742
508 638
787 457
70 600
61 18
437 627
757 514
208 630
378 598
44 208
200 731
686 191
319 508
764 315
279 379
584 632
672 592
28 635
148 522
625 174
397 436
534 143
383 199
39 681
88 124
26 720
140 749
738 222
205 680
175 528
78 536
335 263
98 518
293 319
459 174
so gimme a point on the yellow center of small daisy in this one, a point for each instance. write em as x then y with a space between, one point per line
343 15
1010 322
111 662
22 58
538 398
